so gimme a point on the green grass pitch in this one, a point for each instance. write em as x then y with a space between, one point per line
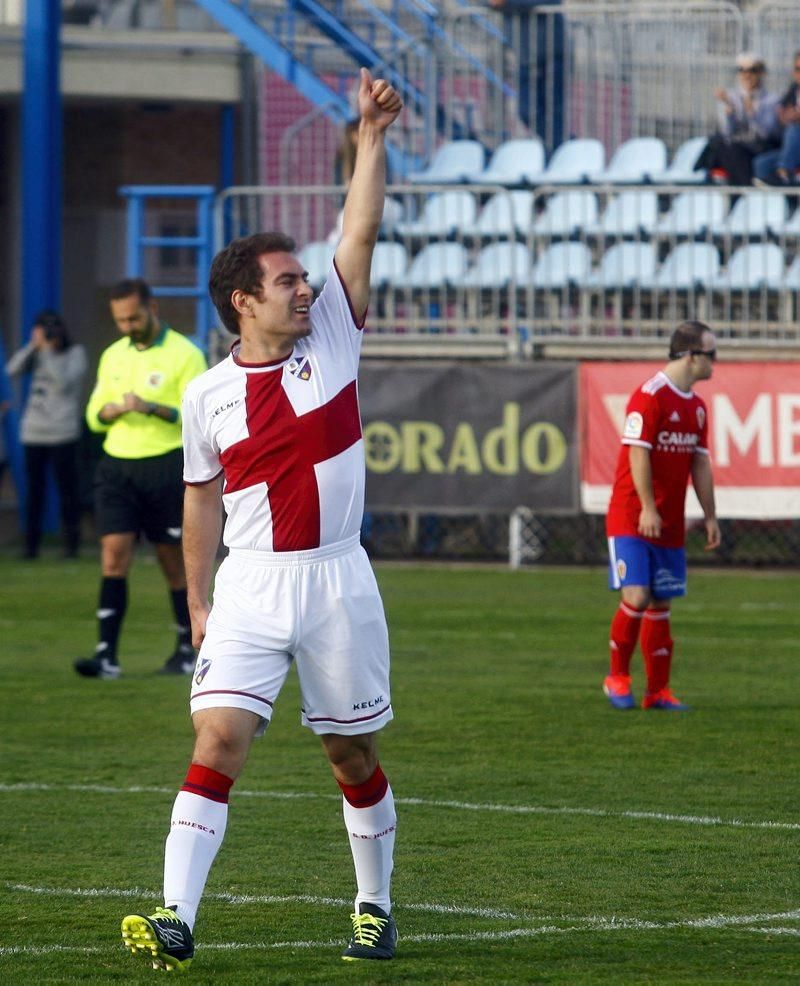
543 837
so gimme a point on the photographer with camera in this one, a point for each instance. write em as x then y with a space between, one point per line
51 426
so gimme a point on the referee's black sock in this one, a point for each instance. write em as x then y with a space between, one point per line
110 614
180 607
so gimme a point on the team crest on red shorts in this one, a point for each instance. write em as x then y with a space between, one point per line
300 368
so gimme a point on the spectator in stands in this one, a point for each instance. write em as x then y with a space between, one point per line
540 64
781 166
748 125
51 426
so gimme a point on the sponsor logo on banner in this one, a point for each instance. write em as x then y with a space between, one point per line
470 436
753 434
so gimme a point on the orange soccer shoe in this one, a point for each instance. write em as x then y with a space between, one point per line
663 700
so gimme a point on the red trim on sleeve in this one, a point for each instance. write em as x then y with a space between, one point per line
359 325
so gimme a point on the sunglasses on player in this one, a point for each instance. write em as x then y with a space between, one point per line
710 353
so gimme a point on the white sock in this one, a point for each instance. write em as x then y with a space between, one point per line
196 833
371 831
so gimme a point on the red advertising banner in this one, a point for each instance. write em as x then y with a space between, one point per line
754 434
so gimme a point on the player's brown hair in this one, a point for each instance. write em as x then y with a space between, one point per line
236 268
686 337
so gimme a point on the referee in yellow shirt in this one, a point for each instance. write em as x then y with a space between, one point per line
139 481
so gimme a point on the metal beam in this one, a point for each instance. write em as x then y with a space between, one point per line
41 160
234 19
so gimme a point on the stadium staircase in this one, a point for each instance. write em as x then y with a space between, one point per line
317 47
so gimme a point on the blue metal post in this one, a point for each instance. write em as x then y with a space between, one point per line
41 184
41 161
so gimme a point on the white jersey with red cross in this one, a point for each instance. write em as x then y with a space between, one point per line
285 435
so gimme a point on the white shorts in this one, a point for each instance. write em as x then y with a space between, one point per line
320 608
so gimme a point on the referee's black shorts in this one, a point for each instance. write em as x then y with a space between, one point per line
140 496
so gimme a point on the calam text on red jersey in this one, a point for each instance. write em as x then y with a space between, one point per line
677 441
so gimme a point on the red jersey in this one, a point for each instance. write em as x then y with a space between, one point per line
673 426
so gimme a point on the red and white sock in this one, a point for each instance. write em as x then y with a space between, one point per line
624 634
371 820
656 648
199 818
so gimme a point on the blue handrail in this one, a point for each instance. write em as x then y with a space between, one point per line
138 241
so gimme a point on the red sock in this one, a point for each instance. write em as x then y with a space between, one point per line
207 783
624 634
656 648
369 793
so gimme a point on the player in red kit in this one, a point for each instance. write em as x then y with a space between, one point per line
664 443
273 435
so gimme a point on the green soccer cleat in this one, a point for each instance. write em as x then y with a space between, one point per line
163 936
374 935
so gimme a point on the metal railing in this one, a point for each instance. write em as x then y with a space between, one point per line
604 262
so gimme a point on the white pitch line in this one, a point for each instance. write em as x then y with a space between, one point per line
594 924
140 893
776 931
653 816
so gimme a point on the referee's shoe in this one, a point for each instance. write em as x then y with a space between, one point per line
97 667
181 662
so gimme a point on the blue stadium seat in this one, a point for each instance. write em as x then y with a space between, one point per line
498 265
512 163
442 215
624 266
573 162
435 266
632 213
389 263
693 213
681 169
561 265
316 258
752 267
565 213
688 267
506 214
453 162
634 161
754 214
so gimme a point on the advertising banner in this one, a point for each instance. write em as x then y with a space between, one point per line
470 436
754 434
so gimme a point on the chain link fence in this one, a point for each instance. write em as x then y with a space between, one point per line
523 539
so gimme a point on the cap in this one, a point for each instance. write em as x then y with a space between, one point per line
749 59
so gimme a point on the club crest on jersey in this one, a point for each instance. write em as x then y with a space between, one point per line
202 670
701 416
155 379
300 368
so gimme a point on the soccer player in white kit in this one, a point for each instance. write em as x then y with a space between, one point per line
273 433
